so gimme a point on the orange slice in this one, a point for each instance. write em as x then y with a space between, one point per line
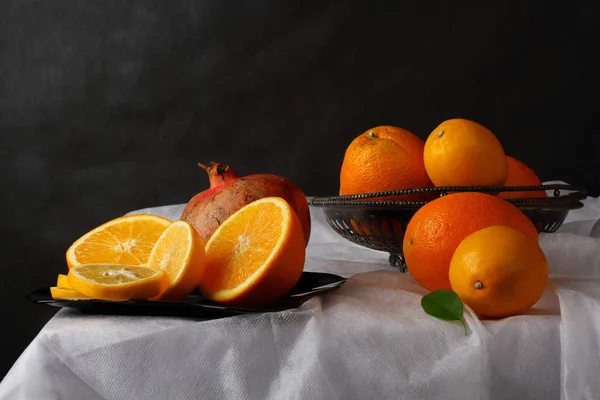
61 293
124 240
255 256
116 282
62 281
179 253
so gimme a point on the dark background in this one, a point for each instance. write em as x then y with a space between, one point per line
106 106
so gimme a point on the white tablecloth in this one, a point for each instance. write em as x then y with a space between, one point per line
368 340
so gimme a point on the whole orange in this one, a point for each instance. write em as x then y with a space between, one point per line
381 159
499 272
520 174
460 152
437 228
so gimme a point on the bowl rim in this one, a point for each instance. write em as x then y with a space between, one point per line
559 201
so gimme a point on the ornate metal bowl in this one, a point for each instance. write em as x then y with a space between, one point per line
380 224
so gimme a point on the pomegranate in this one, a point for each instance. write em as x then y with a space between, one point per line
228 193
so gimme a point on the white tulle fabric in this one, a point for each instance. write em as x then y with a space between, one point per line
368 340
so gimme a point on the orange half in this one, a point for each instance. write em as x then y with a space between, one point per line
179 253
255 256
116 282
124 240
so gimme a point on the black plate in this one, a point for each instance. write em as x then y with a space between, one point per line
196 306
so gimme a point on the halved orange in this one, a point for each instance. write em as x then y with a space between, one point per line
61 293
255 256
179 253
124 240
116 282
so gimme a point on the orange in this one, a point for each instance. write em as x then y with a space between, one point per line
460 152
520 174
381 159
116 282
499 272
62 281
124 240
437 228
179 253
62 293
255 256
381 229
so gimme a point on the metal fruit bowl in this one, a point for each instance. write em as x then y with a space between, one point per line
380 224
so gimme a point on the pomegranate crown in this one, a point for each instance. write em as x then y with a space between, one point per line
219 168
218 173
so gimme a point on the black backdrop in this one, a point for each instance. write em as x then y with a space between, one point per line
106 106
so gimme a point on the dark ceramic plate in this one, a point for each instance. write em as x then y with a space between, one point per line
310 284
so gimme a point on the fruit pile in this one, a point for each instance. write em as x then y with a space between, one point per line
477 245
242 243
458 152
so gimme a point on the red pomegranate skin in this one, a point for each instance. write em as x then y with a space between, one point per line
228 193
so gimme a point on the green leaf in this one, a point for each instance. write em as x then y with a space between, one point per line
445 305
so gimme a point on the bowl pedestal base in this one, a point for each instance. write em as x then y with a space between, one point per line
397 260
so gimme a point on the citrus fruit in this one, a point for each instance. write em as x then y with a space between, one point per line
124 240
520 174
384 229
460 152
255 256
436 229
179 253
61 293
116 282
62 281
499 271
381 159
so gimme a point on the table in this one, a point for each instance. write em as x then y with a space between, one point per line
368 340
